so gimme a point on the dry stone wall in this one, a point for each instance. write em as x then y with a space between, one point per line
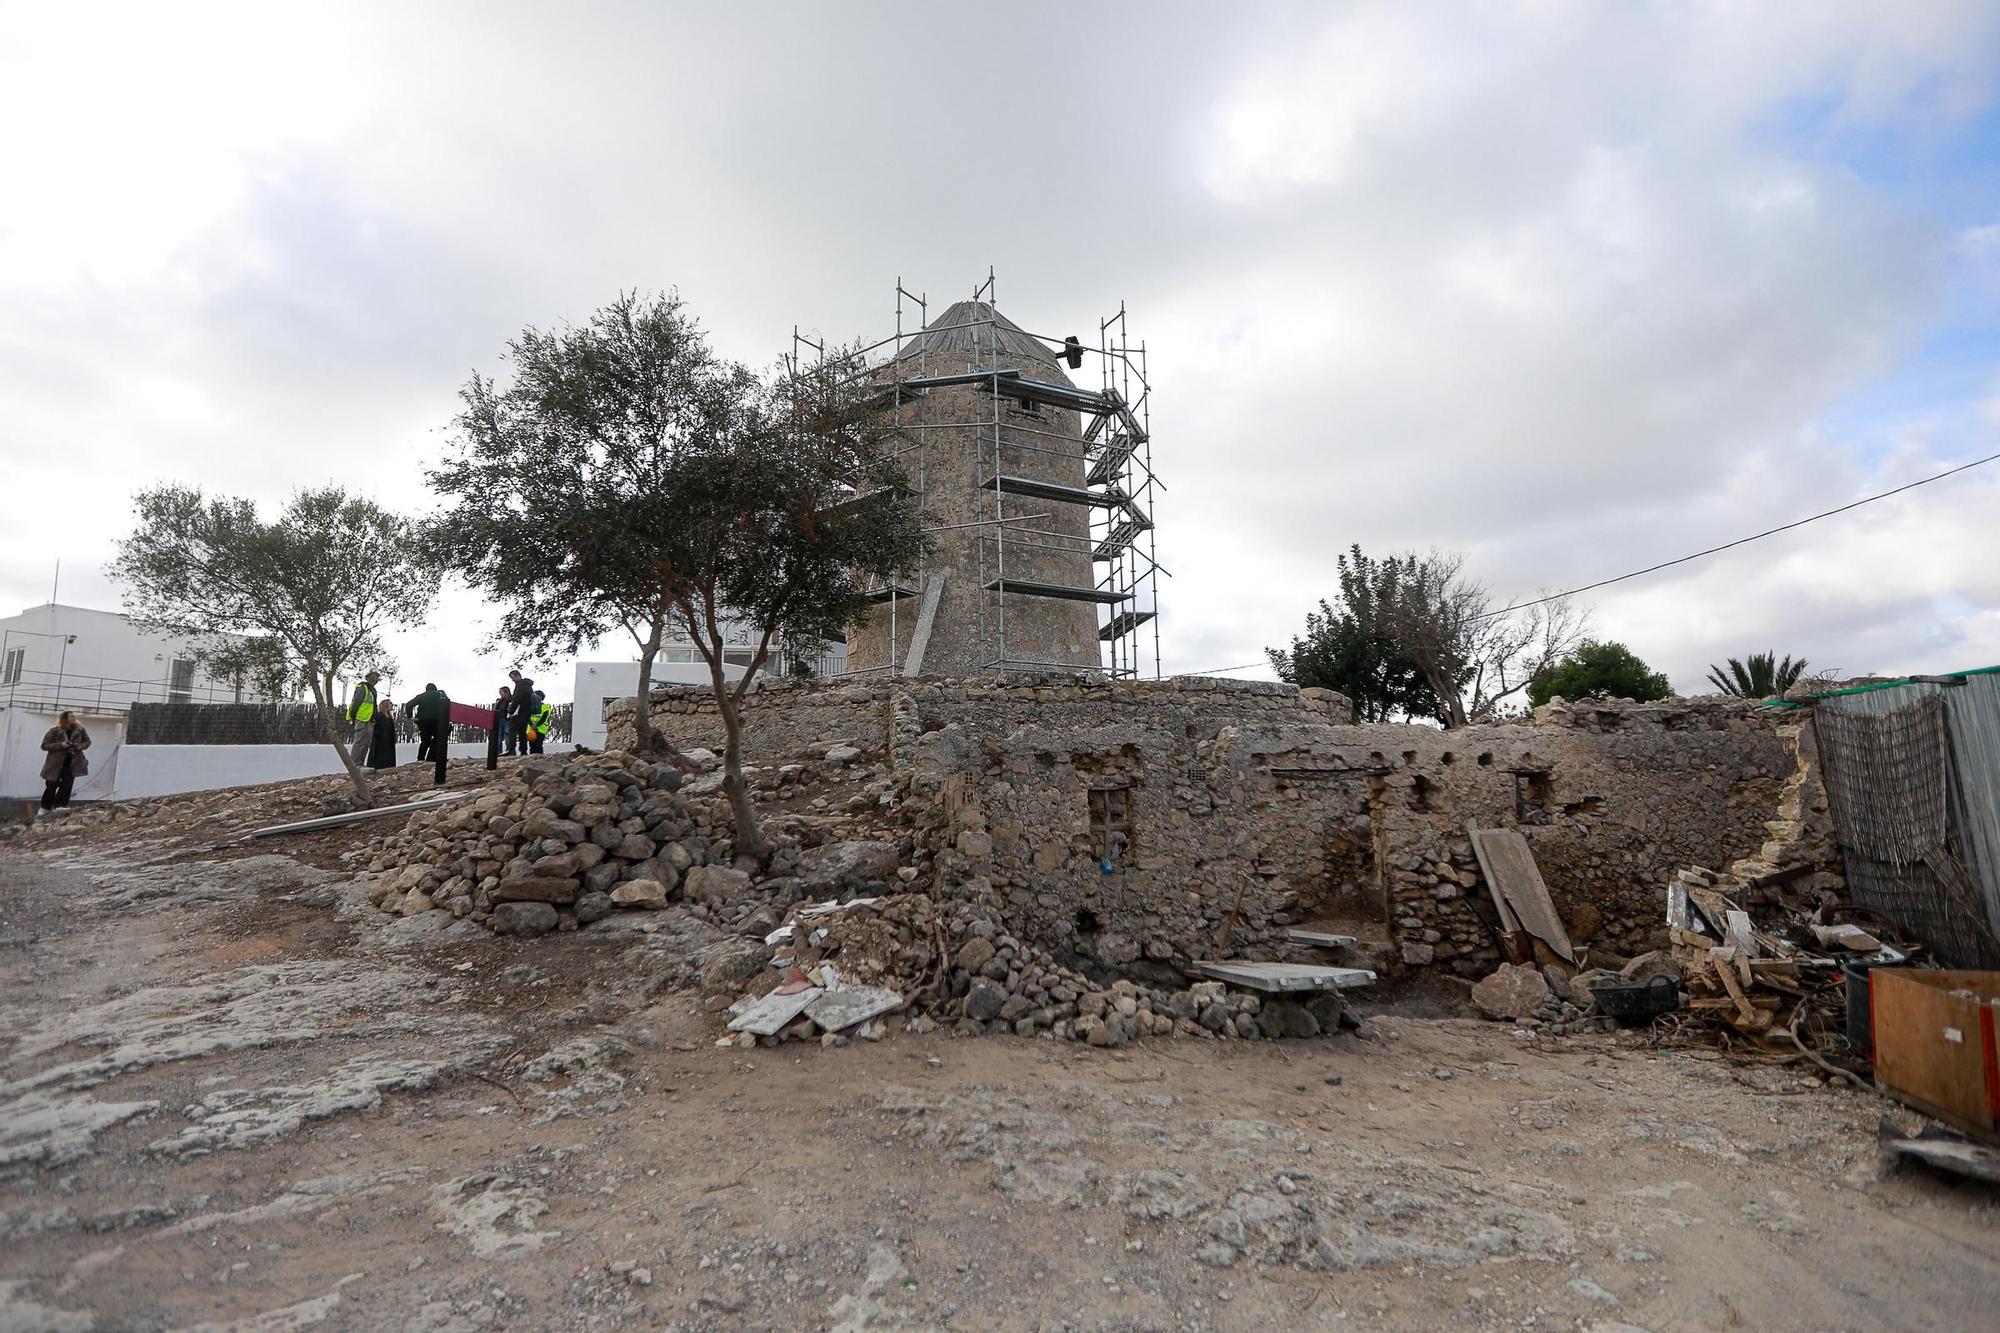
1122 826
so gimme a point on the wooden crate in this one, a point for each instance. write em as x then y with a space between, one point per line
1935 1049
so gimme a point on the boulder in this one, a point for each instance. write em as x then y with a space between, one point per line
547 824
1511 993
637 847
975 954
648 894
1286 1018
535 889
848 865
985 999
523 919
843 755
564 866
592 907
716 884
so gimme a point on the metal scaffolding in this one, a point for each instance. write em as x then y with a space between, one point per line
1113 444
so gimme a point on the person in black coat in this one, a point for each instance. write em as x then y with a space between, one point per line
382 749
521 708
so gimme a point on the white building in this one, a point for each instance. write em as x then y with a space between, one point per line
599 684
96 664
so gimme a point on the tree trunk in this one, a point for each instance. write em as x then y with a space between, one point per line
646 741
331 717
749 834
642 714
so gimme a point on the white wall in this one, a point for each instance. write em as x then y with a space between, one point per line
163 770
21 732
599 682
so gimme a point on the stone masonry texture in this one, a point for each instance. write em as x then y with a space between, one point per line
1121 824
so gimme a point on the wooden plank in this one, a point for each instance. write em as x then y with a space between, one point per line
1934 1041
1725 968
1511 872
1509 923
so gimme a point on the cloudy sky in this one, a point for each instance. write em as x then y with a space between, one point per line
1567 288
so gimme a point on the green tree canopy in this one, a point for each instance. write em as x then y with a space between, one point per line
1600 671
302 598
626 477
1351 648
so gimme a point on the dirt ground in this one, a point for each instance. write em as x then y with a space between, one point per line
222 1106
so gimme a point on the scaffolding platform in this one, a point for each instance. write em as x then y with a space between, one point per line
1060 591
1037 489
889 592
1121 537
1125 622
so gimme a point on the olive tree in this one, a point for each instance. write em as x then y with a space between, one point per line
303 598
645 484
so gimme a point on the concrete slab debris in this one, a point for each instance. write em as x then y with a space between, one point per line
1319 939
841 1009
764 1017
1286 976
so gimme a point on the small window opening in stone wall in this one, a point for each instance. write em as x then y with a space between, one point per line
1086 921
1532 792
1447 758
1486 759
1420 793
1111 822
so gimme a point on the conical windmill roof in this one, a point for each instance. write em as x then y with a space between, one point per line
963 337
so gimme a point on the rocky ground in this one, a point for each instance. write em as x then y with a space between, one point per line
225 1103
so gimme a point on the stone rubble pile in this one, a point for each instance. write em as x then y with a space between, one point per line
560 843
563 843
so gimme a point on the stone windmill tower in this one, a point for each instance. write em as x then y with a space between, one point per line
1025 481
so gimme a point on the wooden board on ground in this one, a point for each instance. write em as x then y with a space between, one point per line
1319 939
1935 1043
1516 882
1274 977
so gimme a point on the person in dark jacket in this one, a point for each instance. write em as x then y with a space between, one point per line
519 711
382 750
62 760
432 710
501 731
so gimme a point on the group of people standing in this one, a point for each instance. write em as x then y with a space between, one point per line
521 720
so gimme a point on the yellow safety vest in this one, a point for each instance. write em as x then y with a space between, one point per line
365 710
538 722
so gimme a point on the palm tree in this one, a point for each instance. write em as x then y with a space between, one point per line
1761 677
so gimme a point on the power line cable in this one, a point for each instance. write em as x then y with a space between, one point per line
1757 536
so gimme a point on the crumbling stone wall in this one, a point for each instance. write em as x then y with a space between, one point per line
784 717
1611 797
1244 807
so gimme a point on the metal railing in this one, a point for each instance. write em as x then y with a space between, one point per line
55 692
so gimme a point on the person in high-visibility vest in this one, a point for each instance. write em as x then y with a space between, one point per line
538 723
361 717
